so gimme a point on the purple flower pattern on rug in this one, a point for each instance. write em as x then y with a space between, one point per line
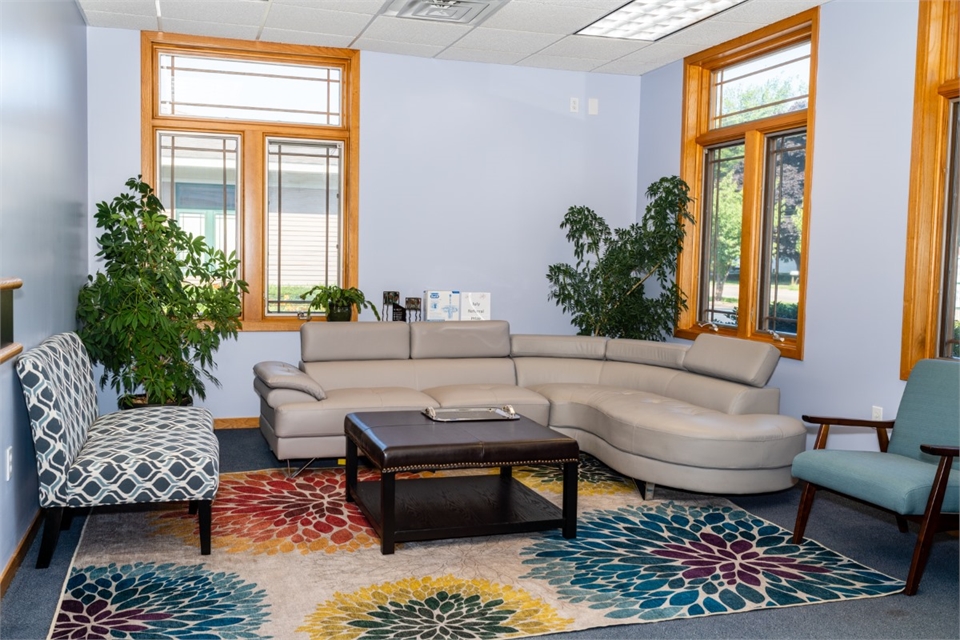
149 600
669 560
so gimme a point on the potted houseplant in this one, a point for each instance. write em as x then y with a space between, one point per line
604 290
155 316
336 302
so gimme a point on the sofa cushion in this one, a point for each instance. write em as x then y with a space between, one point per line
732 359
325 341
532 371
439 372
280 375
658 354
480 339
524 401
546 346
326 418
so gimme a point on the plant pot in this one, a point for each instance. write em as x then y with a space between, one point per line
139 401
339 314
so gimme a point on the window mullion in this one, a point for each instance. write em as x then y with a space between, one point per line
252 254
750 238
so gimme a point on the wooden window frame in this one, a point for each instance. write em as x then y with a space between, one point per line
937 83
252 241
697 135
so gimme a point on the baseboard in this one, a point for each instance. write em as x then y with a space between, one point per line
236 423
11 569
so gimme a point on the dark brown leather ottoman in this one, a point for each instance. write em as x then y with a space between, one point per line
456 506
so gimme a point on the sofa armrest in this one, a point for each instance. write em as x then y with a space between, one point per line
280 375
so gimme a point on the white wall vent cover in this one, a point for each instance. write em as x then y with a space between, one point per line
450 11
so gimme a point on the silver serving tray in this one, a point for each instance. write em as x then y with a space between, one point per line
471 414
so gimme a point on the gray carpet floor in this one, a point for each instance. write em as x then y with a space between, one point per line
863 534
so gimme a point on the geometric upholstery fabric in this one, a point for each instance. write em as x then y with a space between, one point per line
153 454
897 483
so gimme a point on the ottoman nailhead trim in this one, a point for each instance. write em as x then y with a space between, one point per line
467 465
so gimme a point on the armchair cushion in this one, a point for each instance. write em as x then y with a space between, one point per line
280 375
897 483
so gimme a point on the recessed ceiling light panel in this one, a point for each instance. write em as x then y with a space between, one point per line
452 11
654 19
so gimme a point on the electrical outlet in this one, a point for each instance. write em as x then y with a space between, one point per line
876 413
9 465
574 105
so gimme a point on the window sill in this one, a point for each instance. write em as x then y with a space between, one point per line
788 348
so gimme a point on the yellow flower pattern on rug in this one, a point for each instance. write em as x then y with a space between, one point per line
593 478
433 607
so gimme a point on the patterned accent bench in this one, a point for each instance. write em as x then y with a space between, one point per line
153 454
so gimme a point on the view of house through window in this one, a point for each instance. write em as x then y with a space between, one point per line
747 158
303 220
255 150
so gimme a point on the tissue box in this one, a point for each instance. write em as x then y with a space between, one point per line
475 305
441 305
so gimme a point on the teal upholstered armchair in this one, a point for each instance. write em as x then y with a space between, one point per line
914 475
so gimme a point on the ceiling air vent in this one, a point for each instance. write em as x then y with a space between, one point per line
451 11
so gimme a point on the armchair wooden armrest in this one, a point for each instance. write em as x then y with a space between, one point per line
881 427
937 450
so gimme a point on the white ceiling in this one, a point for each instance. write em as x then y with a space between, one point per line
534 33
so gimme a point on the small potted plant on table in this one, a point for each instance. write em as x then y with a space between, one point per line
337 303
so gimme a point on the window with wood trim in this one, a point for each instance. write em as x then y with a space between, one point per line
747 154
254 146
931 315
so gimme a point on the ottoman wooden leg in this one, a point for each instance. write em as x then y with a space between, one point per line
351 470
570 499
388 517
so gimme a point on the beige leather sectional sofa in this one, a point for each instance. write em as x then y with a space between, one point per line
695 417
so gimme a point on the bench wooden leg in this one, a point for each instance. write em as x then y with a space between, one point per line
204 515
52 517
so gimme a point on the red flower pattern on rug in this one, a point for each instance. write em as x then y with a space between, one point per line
268 512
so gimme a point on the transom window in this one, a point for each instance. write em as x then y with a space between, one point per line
747 154
256 150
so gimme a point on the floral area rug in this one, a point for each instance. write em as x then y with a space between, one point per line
292 559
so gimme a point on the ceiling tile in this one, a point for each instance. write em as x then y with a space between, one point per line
662 53
295 18
418 32
249 12
474 55
121 21
606 6
128 7
485 39
629 68
305 37
559 62
538 19
368 7
191 27
763 12
708 33
402 48
594 48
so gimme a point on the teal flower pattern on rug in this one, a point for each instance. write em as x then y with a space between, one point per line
672 560
149 600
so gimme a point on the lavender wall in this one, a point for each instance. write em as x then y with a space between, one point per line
43 214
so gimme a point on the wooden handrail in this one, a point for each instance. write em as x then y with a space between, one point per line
8 348
10 283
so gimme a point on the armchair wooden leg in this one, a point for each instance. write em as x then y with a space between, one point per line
192 508
803 512
205 518
929 526
52 517
902 524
